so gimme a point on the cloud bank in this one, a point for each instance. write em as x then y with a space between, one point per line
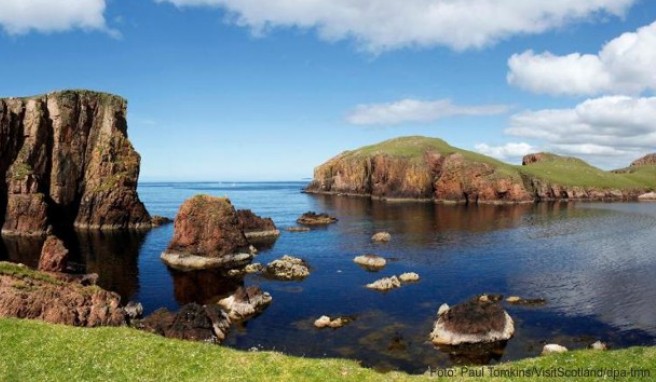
625 65
24 16
379 25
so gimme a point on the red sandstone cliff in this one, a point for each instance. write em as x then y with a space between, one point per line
66 160
423 168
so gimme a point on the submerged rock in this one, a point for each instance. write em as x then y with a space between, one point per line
298 229
334 323
370 261
385 284
287 268
516 300
312 218
158 221
35 295
193 322
487 297
245 302
474 321
256 228
66 161
54 255
381 237
207 235
553 349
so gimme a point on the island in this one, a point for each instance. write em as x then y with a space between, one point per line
429 169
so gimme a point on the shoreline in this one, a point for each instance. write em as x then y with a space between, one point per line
635 199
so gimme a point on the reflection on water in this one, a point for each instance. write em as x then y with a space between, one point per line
593 263
203 287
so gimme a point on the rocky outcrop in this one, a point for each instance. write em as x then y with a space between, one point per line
54 255
35 295
66 161
158 221
370 262
480 320
647 160
193 322
334 323
312 218
428 169
207 234
287 268
381 237
256 228
385 284
245 302
516 300
419 168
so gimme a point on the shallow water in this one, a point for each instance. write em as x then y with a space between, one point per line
594 263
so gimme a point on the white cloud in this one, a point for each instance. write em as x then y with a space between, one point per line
508 151
379 25
624 65
23 16
621 127
416 111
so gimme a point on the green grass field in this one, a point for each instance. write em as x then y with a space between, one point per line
36 351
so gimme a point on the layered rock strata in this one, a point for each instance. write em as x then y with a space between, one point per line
66 161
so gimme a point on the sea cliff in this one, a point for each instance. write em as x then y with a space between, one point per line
429 169
66 161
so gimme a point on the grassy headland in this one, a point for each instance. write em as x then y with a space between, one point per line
555 169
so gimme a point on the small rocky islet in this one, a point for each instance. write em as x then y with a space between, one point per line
67 163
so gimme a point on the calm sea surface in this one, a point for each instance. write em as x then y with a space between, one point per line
594 263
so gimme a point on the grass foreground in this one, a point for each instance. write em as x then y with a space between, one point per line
37 351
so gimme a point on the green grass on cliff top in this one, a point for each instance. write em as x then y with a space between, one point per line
36 351
556 169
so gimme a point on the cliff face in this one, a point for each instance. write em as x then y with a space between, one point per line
420 168
429 169
66 161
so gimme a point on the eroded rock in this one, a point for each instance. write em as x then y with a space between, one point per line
287 268
370 261
334 323
158 221
245 302
409 277
54 255
312 218
472 322
207 235
381 237
385 284
35 295
193 322
257 229
516 300
66 161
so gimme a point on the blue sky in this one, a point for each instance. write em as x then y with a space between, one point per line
266 90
